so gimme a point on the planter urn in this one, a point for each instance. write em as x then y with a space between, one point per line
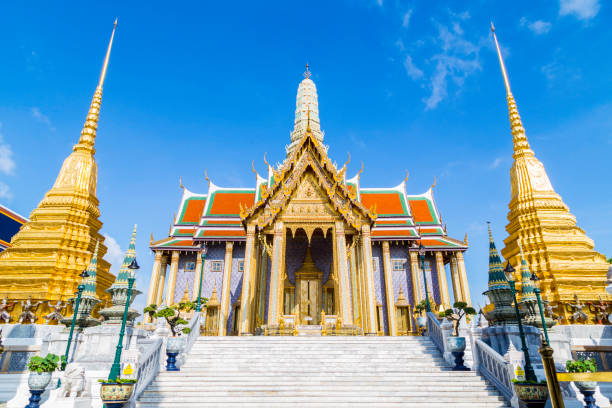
173 348
115 395
587 389
531 395
38 383
456 345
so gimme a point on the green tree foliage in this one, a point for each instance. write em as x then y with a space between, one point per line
456 313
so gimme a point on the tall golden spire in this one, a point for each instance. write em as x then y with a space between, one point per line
52 249
88 134
519 138
560 253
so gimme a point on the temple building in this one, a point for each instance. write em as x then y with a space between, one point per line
307 248
555 248
49 252
10 222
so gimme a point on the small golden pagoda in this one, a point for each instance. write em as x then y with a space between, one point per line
51 249
555 248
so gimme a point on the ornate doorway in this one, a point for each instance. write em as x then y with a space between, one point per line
308 287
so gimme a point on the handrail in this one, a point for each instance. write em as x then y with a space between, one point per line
194 325
494 368
434 330
148 364
600 376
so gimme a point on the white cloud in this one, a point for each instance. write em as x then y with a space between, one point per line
7 164
5 191
41 117
406 18
413 71
114 255
458 59
537 27
495 164
581 9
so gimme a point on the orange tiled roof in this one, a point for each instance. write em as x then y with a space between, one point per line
229 203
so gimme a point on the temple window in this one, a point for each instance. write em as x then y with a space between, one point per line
216 266
190 266
398 265
240 266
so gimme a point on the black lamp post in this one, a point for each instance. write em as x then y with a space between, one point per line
529 373
422 259
198 307
116 367
537 291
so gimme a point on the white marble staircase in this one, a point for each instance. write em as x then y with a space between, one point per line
317 372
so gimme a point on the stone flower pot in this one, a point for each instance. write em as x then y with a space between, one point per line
114 395
456 344
531 395
587 389
175 344
38 381
173 348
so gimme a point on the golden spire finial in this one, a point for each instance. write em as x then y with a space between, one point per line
519 139
308 130
307 73
88 134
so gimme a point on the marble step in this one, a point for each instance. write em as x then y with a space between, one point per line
313 404
326 387
298 399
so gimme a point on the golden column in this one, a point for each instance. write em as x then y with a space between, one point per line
346 311
51 250
457 289
278 260
463 278
389 289
247 282
355 286
225 294
154 282
366 247
443 283
261 294
162 280
172 278
414 274
199 274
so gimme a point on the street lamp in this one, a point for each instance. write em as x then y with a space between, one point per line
422 258
116 367
203 255
529 373
537 291
80 289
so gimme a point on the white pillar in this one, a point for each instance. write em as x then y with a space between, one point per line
389 295
246 298
366 245
225 289
172 278
346 310
275 275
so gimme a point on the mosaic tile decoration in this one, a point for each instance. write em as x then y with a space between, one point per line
401 278
184 278
379 282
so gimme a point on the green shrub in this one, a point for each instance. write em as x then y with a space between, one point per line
47 364
581 366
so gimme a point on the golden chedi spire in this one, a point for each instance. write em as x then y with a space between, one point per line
54 247
557 250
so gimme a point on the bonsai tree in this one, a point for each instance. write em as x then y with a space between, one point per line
47 364
581 366
456 313
173 317
422 306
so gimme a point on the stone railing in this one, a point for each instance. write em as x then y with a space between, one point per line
494 368
194 325
439 332
148 363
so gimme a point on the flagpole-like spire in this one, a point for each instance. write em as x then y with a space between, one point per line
519 139
88 134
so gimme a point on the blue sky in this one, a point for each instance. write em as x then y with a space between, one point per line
402 85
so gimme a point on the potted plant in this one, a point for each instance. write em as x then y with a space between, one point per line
172 315
116 392
41 369
587 388
456 343
421 321
531 394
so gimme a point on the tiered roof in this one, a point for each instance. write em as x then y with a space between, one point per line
220 214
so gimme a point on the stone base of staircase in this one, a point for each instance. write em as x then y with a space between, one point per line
315 371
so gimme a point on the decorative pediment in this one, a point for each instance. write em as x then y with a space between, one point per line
308 185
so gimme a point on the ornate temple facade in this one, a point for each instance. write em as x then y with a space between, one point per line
48 253
10 222
307 248
572 274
